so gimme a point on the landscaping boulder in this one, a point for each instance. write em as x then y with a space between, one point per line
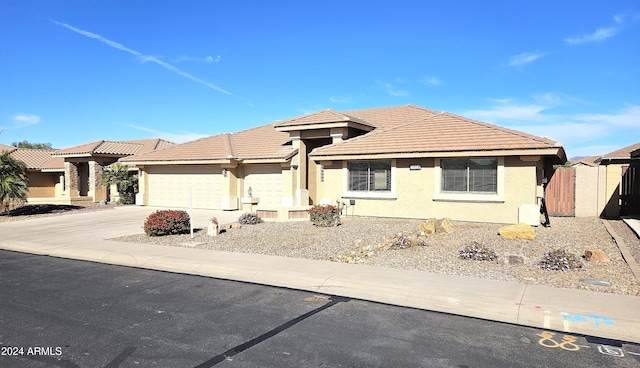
518 231
427 227
512 259
596 255
435 226
444 226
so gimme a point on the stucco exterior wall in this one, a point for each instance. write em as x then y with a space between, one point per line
586 200
415 192
611 176
42 184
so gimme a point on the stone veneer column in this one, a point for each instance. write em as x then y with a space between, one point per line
96 189
71 179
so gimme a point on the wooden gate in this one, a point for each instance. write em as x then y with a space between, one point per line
560 192
630 191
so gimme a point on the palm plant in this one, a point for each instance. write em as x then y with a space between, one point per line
125 181
13 181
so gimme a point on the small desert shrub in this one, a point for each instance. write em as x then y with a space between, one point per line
327 215
558 260
249 219
167 222
403 241
477 252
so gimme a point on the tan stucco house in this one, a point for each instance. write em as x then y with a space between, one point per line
402 161
73 175
611 171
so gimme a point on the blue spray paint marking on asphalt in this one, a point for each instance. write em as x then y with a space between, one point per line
597 320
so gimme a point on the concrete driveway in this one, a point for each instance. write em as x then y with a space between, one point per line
104 224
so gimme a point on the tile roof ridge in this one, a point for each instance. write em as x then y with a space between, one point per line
622 151
229 146
504 130
377 131
256 127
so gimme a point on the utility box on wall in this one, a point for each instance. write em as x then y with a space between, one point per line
529 214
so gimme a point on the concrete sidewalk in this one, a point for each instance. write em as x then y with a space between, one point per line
573 311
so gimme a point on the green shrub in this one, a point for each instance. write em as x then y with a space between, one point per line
558 260
477 252
326 215
167 222
249 219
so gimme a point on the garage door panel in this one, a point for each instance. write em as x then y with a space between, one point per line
171 186
265 182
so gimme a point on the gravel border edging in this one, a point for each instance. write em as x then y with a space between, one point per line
626 254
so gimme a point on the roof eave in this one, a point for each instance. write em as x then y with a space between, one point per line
178 162
313 126
554 151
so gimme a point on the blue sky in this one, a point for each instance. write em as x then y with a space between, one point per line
72 72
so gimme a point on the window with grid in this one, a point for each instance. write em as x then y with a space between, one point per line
369 176
474 175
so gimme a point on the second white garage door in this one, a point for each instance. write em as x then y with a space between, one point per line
265 182
169 186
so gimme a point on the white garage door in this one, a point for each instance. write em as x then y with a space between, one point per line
169 186
265 182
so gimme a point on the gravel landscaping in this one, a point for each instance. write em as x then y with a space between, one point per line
366 241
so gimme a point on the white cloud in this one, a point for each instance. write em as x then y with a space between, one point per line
525 58
339 99
180 137
391 89
206 59
600 34
431 81
142 57
509 111
576 131
629 118
22 120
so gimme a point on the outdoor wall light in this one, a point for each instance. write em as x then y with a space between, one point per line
225 172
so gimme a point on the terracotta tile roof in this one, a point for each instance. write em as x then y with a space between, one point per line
4 147
622 153
398 129
263 142
54 164
436 133
317 118
589 161
36 159
393 115
114 148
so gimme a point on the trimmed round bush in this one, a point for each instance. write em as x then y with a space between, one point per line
477 252
558 260
249 219
327 215
167 222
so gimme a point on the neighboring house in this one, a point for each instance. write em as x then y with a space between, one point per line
402 161
600 183
73 175
612 168
42 172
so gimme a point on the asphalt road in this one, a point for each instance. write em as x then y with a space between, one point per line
64 313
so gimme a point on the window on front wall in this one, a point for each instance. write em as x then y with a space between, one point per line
473 175
369 176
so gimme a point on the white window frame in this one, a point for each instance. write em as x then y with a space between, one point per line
390 194
440 195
